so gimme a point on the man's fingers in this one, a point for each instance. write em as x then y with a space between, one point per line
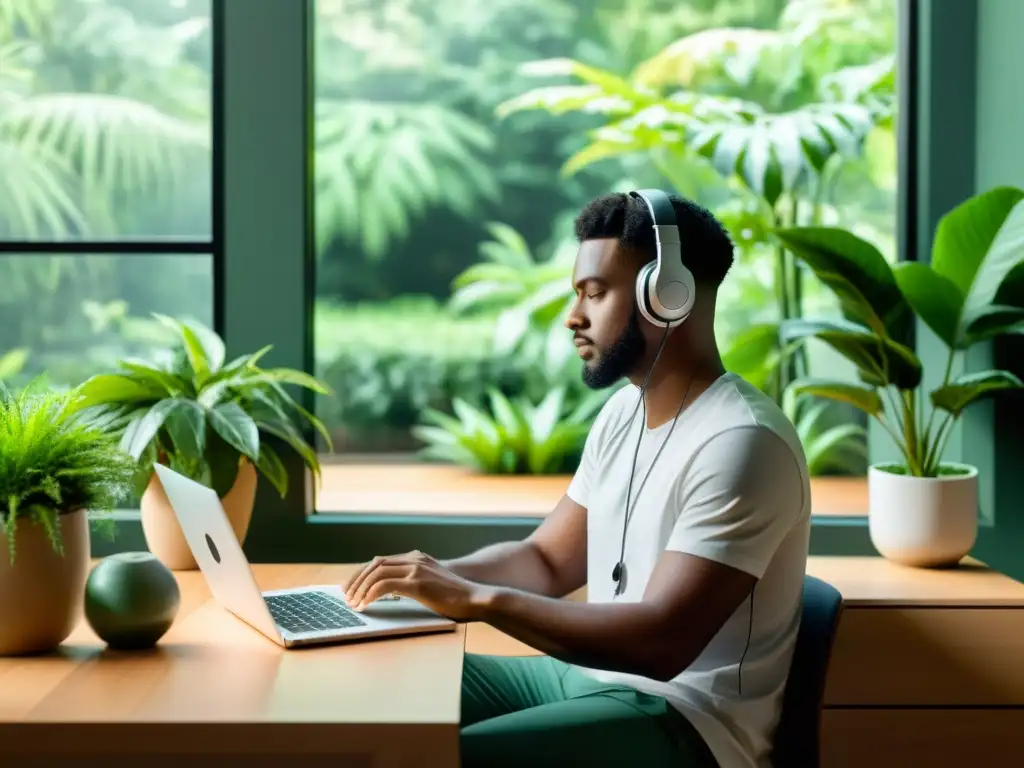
360 577
383 572
398 586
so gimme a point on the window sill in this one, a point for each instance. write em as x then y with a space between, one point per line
433 489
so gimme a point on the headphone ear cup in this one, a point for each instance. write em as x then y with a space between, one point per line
645 297
651 307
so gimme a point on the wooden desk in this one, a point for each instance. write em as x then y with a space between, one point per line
927 670
217 690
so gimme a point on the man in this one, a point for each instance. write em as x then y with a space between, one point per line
686 667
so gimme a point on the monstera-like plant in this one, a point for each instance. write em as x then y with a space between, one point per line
207 419
922 508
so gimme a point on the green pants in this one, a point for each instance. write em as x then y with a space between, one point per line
535 711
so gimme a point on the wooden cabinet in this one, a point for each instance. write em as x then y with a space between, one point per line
927 668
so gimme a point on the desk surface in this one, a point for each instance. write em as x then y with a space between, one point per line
382 703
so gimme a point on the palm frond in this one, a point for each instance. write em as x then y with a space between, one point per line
380 165
117 144
37 194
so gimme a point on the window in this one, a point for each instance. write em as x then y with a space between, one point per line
454 143
106 189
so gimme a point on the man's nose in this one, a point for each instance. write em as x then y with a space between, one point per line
575 320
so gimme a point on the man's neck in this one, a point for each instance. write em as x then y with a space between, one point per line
667 388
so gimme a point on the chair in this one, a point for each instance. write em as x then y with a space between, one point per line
798 736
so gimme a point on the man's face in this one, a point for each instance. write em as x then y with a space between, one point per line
604 320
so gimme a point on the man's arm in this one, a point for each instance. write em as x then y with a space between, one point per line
687 601
743 495
552 561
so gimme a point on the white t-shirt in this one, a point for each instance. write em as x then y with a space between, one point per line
730 485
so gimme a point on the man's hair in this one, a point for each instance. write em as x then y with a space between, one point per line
707 249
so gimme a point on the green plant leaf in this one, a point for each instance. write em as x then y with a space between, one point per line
990 321
774 153
544 419
186 425
865 398
966 389
828 449
211 343
196 354
977 245
113 388
145 426
12 362
877 359
755 353
236 427
240 363
601 149
857 273
298 378
270 464
288 434
171 384
933 297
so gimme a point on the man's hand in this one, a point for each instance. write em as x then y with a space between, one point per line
420 577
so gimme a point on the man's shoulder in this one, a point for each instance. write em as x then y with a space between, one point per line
741 412
745 432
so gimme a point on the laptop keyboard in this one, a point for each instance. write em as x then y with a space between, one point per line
311 612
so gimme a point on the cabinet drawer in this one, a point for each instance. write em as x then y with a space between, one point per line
937 738
927 656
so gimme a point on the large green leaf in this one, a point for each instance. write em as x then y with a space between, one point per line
857 273
755 353
270 464
993 320
878 359
115 389
186 425
144 427
173 385
240 364
965 389
977 245
212 344
865 398
196 354
236 427
933 297
775 153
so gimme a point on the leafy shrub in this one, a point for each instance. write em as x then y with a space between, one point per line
53 463
389 363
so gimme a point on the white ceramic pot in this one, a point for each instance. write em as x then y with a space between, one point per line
929 522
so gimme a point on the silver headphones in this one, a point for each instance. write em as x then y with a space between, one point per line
665 288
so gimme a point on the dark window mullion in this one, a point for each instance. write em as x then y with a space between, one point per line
125 247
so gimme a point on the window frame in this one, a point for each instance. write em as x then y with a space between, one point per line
129 531
264 98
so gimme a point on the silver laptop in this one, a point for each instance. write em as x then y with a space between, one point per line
309 615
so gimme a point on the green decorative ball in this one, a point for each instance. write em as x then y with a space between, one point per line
131 599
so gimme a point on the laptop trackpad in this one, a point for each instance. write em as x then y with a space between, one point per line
403 609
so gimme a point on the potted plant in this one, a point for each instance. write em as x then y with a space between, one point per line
208 420
54 470
922 509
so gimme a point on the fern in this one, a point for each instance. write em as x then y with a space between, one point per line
52 462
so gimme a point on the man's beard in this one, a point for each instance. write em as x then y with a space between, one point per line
619 359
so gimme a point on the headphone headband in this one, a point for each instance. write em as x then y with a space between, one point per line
665 289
